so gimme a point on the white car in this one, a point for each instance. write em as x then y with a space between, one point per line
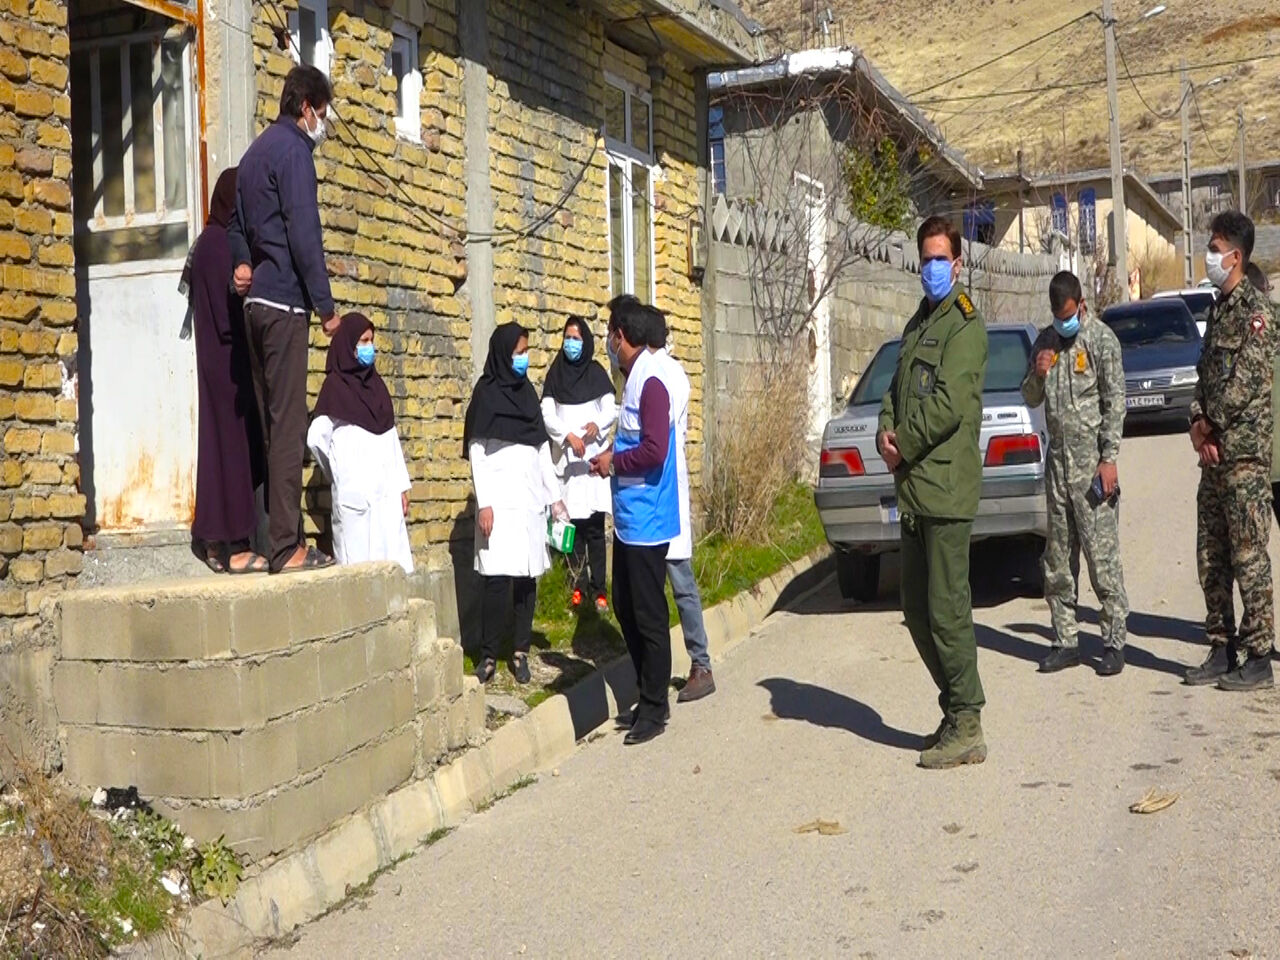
1199 301
856 497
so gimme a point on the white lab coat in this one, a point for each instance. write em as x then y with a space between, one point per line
519 483
583 494
679 389
367 474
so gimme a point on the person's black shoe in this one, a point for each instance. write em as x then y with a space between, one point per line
625 721
486 669
1254 674
520 668
1218 664
1060 658
1112 662
643 732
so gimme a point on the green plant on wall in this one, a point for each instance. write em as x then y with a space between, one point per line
879 187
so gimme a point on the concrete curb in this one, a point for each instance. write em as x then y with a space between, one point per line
300 887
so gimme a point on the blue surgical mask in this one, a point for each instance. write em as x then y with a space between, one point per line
613 354
573 350
1068 327
520 364
935 277
364 354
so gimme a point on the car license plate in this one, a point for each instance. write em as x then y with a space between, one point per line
888 511
1139 402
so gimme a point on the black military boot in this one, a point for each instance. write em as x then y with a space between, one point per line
1112 662
1253 674
1219 663
1060 658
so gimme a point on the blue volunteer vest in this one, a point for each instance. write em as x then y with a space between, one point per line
646 508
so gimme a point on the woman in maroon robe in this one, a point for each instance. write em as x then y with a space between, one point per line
229 465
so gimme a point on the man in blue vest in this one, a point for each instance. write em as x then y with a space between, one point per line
646 512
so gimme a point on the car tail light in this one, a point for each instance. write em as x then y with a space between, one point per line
842 463
1009 451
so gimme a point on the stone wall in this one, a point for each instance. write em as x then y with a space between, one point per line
872 296
40 504
260 710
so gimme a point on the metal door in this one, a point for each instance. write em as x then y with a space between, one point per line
136 184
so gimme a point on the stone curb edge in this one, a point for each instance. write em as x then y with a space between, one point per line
303 885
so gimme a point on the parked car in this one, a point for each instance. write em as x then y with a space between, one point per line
856 497
1199 301
1161 345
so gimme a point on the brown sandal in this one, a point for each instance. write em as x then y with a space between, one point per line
313 559
256 564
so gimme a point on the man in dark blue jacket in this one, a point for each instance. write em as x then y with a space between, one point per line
275 238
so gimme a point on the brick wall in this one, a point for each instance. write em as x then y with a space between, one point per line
40 505
402 259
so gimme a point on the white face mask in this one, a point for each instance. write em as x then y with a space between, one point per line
1218 274
320 131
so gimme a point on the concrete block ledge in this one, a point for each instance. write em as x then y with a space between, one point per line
300 887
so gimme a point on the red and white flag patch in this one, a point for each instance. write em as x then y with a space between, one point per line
1258 322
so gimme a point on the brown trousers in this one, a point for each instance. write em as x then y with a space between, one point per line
278 355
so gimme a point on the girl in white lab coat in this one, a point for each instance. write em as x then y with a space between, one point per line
506 441
579 409
353 439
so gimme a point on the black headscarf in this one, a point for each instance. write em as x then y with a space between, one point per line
352 392
504 405
577 381
223 202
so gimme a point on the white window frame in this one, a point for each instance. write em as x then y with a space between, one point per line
324 42
409 119
622 153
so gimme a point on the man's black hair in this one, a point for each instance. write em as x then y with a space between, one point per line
633 319
1257 277
304 84
1064 286
1235 228
657 327
623 301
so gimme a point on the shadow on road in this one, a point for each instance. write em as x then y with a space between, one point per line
1090 648
793 700
1153 625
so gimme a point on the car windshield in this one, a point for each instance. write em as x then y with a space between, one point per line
1199 304
1151 324
1007 357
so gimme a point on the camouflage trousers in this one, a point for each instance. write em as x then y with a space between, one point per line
1075 524
1233 526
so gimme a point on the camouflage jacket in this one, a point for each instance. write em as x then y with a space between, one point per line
1083 395
1236 374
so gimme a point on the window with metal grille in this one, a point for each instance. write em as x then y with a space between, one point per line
130 126
1088 220
715 149
1060 217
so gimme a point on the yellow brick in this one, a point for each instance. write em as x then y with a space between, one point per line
42 536
11 371
57 443
11 182
13 603
49 74
66 505
55 193
41 471
10 473
35 221
26 570
53 135
62 166
42 376
57 255
34 406
14 246
33 103
21 440
59 312
13 64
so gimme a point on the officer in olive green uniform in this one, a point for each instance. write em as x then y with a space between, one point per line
928 435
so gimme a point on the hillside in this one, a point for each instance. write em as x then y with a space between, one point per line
1065 127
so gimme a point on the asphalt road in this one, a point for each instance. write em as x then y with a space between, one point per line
686 847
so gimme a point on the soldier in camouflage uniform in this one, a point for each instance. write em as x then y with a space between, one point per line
1076 372
1231 430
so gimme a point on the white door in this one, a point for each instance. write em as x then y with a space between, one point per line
136 215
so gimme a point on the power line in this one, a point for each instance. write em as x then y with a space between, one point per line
1007 53
1222 155
1159 115
1097 81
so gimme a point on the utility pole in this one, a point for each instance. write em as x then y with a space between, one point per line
1118 215
1244 183
1188 275
1022 204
